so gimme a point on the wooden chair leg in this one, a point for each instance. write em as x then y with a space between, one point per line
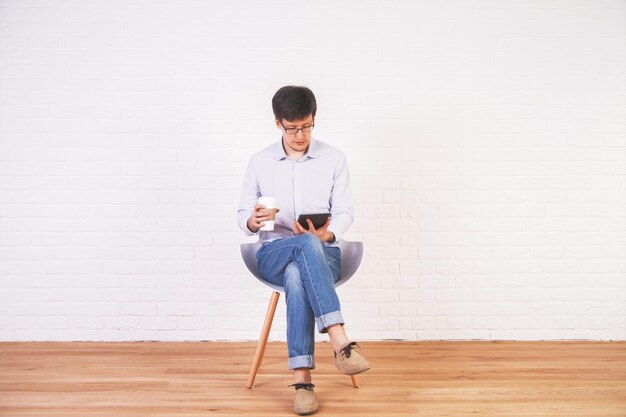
355 381
265 333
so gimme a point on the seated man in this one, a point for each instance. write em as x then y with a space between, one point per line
305 176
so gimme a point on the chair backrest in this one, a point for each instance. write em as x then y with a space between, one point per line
351 257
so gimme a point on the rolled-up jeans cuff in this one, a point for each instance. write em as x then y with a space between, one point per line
327 320
304 361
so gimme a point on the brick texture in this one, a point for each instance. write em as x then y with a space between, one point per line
486 142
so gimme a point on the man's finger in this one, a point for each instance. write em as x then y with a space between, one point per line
299 227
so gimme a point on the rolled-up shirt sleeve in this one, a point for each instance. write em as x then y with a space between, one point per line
249 197
341 200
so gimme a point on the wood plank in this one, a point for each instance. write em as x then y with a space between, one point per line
407 379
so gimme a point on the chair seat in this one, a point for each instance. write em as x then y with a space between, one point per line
351 257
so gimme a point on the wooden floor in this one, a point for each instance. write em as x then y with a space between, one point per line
407 379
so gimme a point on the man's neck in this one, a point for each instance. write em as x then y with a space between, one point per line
293 154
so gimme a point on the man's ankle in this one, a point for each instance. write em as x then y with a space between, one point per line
337 336
302 376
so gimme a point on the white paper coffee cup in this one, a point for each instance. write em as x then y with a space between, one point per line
270 204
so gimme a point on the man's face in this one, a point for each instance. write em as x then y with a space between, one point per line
296 133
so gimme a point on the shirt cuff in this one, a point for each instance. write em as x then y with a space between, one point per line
337 233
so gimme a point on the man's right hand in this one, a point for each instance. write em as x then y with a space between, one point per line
255 222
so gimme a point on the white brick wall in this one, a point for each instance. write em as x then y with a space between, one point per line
487 144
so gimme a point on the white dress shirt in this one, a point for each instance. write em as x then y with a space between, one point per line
319 182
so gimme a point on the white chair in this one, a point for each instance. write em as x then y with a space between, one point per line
351 257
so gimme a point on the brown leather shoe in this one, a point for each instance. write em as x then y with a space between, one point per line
349 361
304 400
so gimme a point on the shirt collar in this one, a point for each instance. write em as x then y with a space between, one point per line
279 152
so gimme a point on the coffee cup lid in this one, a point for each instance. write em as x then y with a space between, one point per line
267 201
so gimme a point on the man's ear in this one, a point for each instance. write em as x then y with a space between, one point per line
277 123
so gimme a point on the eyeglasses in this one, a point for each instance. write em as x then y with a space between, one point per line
295 130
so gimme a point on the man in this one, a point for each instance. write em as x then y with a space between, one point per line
305 176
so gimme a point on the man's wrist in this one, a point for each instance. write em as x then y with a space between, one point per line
250 228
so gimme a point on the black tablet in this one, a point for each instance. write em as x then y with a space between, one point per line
318 220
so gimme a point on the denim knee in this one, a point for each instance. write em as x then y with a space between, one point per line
312 243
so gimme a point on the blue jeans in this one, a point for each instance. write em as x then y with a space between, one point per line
307 270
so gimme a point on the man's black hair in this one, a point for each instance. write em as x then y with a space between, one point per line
293 103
